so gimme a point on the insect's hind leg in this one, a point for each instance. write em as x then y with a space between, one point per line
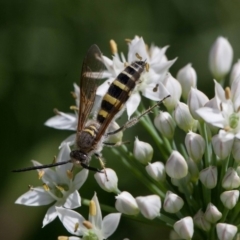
90 168
135 120
102 164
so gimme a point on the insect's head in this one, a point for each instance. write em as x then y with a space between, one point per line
76 155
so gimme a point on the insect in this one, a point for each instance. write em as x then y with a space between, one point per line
92 133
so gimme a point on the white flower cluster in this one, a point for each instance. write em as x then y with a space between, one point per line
197 181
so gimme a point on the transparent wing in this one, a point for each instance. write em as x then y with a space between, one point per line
92 70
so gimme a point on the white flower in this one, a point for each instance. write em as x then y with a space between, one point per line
158 67
58 187
184 228
226 231
226 116
93 228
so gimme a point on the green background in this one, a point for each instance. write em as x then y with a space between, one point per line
42 44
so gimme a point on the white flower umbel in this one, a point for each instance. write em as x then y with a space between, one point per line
149 206
93 228
150 84
187 77
156 170
184 228
220 58
59 186
226 231
126 204
172 202
142 151
227 115
109 184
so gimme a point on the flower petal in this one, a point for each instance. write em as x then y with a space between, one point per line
69 219
49 216
80 179
35 197
110 223
63 121
70 140
73 200
132 103
212 116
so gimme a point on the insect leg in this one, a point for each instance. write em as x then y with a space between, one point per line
90 168
102 164
135 120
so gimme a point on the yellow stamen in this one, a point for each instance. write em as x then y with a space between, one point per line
138 56
61 189
30 187
227 93
128 40
227 128
40 174
147 66
70 174
63 238
46 187
74 108
113 46
155 88
74 95
76 227
92 208
87 224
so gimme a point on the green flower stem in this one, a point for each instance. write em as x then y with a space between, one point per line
206 195
224 168
203 131
234 218
224 215
170 222
183 151
141 177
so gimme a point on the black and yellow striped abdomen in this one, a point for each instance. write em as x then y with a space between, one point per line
120 90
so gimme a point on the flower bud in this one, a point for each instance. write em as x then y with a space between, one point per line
196 100
117 137
126 204
165 124
201 222
183 117
221 147
220 58
236 150
176 166
229 198
208 177
226 231
109 184
231 179
172 203
142 151
235 73
184 228
212 214
175 90
188 78
149 206
156 170
195 145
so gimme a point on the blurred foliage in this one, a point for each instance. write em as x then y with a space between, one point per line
42 44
